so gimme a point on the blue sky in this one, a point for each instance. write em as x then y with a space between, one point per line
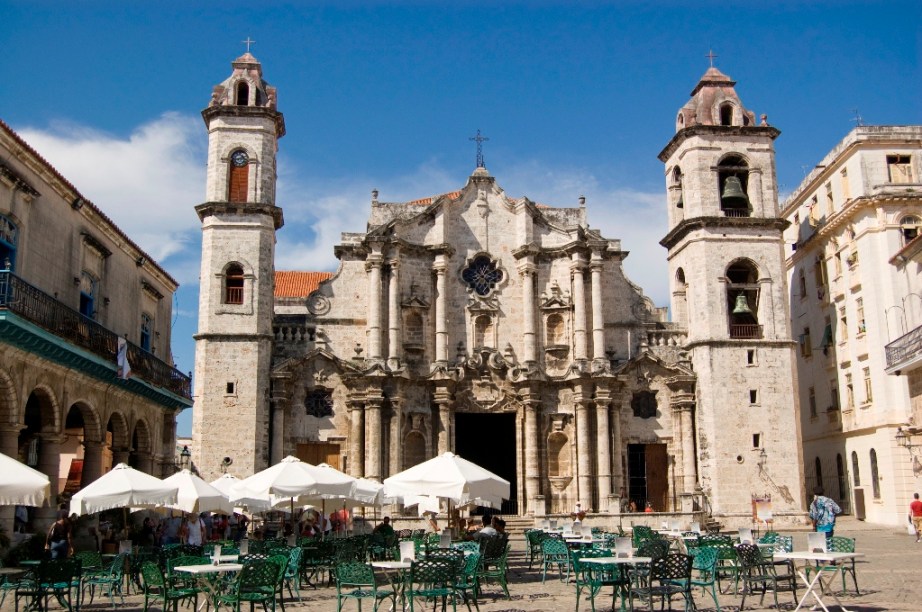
576 98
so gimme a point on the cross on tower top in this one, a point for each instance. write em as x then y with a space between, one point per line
248 42
711 55
480 140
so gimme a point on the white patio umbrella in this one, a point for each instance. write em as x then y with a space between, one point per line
194 495
21 485
292 479
452 478
123 487
224 485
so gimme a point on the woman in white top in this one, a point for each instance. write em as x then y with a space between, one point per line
193 530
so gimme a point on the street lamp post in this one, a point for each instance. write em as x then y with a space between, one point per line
185 458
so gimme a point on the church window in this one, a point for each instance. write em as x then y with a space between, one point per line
8 237
726 114
806 350
802 283
750 357
677 186
147 324
238 177
233 284
818 470
899 169
555 330
868 394
229 388
753 396
833 395
743 301
319 403
733 181
909 227
483 331
756 440
558 460
875 476
482 275
88 285
811 399
243 93
856 475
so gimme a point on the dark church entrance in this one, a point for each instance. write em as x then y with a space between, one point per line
489 441
647 466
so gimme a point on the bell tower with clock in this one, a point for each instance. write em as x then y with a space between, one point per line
239 219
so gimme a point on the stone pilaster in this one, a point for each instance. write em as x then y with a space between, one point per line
579 308
443 401
617 450
603 447
280 403
395 455
598 321
532 466
49 463
527 272
583 450
373 266
356 440
373 437
393 316
441 305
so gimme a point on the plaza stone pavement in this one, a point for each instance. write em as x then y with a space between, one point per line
889 579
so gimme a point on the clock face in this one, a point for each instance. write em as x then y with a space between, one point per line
239 158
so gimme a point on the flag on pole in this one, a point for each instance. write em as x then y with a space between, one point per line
124 368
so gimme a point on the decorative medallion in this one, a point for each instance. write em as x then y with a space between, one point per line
319 403
644 404
318 304
482 275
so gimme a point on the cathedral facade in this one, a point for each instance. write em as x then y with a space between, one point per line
506 330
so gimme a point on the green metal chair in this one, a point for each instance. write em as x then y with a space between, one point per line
669 576
156 586
293 572
468 583
554 552
704 571
640 533
840 544
759 574
533 538
594 577
357 580
111 580
433 579
493 562
51 578
256 583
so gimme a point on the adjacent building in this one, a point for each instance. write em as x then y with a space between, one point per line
852 261
505 329
73 287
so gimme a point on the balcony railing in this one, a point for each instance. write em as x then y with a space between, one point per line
736 212
30 303
905 347
745 331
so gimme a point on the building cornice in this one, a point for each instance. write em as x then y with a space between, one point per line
689 225
209 209
715 130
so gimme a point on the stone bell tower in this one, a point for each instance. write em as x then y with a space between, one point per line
729 289
233 349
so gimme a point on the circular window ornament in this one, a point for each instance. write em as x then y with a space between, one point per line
482 275
240 158
318 304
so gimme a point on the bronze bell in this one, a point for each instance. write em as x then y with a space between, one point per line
733 195
742 305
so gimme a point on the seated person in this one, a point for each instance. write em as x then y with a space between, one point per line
487 531
384 528
499 525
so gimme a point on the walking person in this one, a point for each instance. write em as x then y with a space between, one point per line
915 515
823 513
58 542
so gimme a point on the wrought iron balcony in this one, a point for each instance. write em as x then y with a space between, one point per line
905 348
32 304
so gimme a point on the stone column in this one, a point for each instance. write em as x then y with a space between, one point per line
393 317
754 191
9 446
49 463
441 303
579 309
373 267
598 322
583 451
92 462
532 467
443 400
145 462
120 455
356 442
527 272
689 470
395 457
617 449
603 450
373 438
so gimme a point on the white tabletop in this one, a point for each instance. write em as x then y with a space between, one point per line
392 564
226 558
616 560
806 555
209 568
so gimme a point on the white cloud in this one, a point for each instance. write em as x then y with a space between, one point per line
148 183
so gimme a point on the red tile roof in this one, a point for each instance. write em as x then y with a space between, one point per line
92 206
427 201
290 284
